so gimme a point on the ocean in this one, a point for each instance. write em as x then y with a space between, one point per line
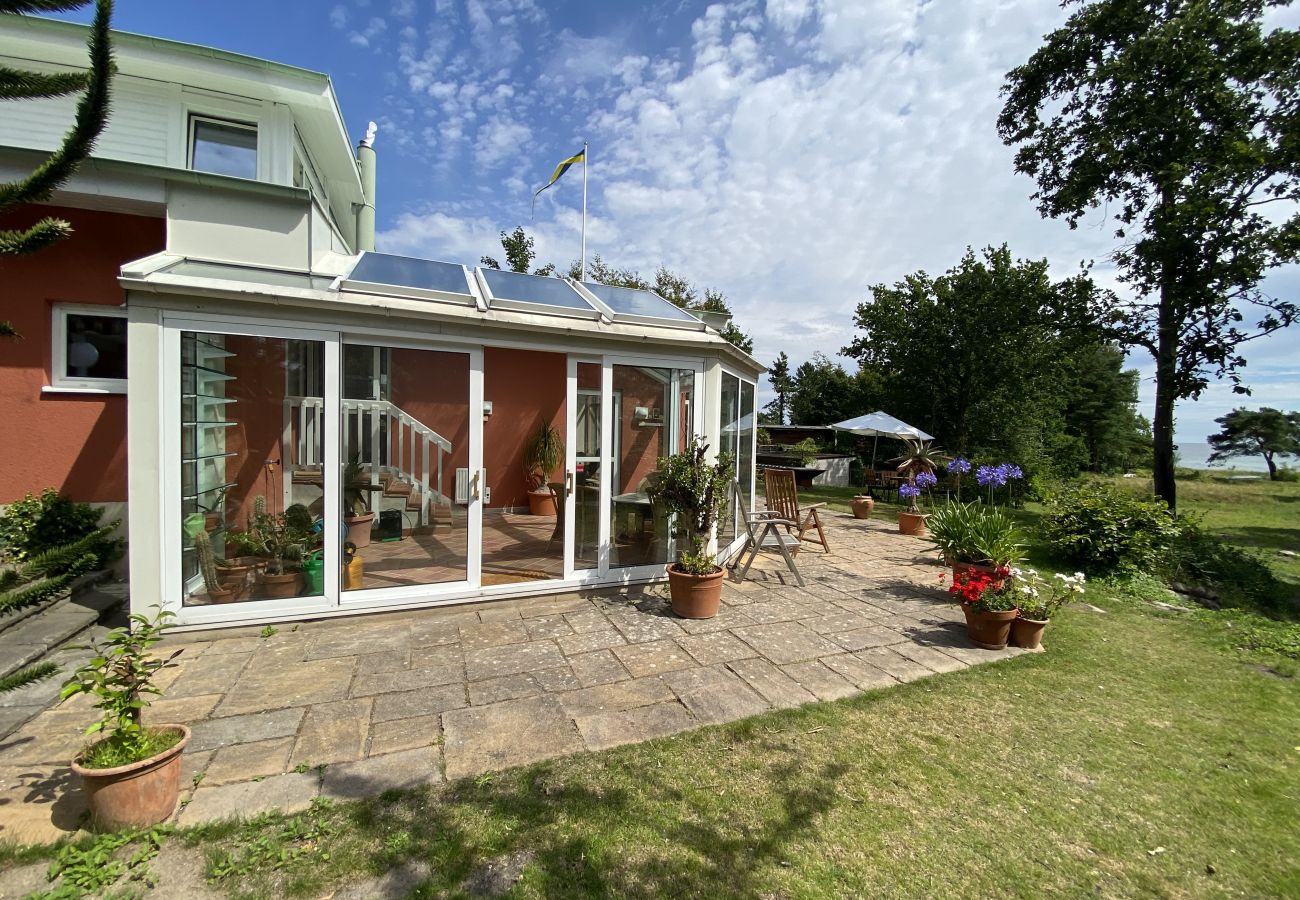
1196 456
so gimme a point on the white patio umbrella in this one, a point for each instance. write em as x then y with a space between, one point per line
881 424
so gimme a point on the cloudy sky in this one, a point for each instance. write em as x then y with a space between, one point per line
789 152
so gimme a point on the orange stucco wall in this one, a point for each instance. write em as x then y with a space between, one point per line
73 442
526 387
434 388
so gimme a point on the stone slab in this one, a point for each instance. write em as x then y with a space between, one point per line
588 641
820 681
396 735
715 695
244 762
601 731
377 774
776 687
861 673
894 663
871 636
424 702
935 660
617 696
599 667
653 658
287 793
506 687
715 647
333 732
246 729
406 680
488 738
786 642
270 686
512 659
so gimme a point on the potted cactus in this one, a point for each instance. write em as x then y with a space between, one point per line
695 492
132 772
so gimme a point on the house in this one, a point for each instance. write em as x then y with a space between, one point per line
295 424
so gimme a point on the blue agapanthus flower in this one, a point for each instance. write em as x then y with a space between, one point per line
991 476
1012 470
959 465
910 491
926 479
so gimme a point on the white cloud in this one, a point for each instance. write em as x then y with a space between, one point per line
374 28
499 140
339 16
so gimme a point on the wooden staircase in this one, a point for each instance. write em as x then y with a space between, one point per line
396 487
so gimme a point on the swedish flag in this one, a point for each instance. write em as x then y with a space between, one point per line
579 157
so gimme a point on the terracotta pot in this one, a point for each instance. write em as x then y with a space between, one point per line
1028 633
988 630
138 794
911 523
224 594
211 521
862 505
542 503
695 596
279 587
359 529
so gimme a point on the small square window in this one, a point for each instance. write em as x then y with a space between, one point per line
89 351
224 148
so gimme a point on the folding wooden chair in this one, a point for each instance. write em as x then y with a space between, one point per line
784 499
766 531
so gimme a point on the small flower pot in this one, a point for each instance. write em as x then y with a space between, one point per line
695 596
542 503
862 506
359 529
1028 633
279 587
138 794
988 630
911 523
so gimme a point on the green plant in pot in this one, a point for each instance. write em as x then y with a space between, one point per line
283 549
917 466
543 453
1038 599
132 772
695 491
974 537
989 602
357 515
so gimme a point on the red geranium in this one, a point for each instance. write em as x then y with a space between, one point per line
970 586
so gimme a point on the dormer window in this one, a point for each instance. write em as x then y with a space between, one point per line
222 147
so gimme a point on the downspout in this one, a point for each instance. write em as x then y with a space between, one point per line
366 209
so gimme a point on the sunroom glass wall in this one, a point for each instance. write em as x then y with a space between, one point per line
252 448
405 449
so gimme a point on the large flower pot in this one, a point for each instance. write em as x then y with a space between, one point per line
911 523
988 630
542 503
359 529
279 587
695 596
862 505
1028 633
138 794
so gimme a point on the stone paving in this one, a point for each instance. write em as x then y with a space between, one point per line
346 708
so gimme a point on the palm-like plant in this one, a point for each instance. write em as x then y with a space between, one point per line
921 456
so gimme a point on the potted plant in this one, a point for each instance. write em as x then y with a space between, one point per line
688 487
912 520
133 772
283 549
989 603
357 515
541 456
862 506
1039 598
973 538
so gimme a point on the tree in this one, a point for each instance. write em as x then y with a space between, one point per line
88 123
778 375
1264 432
518 246
1178 119
823 393
1101 409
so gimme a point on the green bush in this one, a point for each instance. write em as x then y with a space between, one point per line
974 533
1104 530
1188 474
1286 473
35 525
1234 576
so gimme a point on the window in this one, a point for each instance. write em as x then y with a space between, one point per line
224 148
89 351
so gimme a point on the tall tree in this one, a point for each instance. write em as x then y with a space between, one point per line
1264 432
88 123
1179 119
778 375
518 247
823 393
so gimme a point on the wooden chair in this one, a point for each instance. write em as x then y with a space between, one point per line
783 498
766 530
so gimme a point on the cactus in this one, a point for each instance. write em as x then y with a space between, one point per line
207 561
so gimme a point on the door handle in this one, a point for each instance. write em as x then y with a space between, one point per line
568 483
473 484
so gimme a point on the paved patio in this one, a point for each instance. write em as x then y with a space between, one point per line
350 707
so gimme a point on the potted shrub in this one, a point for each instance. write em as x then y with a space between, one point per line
974 538
912 520
1039 598
989 603
132 772
284 550
356 513
688 487
544 451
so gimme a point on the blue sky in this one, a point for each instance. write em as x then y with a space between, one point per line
789 152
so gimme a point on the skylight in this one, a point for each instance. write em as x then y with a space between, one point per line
513 290
403 273
635 304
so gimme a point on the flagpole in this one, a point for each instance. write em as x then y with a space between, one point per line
586 164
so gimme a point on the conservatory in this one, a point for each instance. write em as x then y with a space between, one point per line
386 432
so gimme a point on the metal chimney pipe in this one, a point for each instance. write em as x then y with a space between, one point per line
366 211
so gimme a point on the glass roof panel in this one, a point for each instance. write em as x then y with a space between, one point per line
407 271
192 268
633 302
533 289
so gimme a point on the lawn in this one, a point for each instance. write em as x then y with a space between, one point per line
1143 754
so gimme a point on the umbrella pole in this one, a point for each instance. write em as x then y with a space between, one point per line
875 443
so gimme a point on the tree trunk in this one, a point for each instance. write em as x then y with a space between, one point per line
1272 466
1162 424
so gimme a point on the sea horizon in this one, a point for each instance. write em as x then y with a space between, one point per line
1196 455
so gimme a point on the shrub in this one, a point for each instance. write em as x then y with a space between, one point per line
1188 474
974 533
1233 575
1286 473
806 450
1105 530
36 525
